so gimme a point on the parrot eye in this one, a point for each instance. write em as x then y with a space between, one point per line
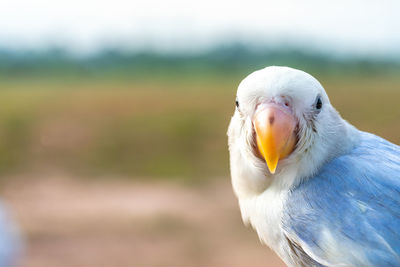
318 103
237 103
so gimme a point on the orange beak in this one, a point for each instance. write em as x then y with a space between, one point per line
275 130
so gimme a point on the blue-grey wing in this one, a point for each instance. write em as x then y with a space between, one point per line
349 214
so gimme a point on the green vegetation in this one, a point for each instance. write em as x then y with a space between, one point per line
233 59
158 118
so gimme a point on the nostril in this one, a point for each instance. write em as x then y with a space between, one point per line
271 120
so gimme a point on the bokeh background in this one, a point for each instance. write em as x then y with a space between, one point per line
113 117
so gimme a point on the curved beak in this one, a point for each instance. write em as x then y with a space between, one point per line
275 129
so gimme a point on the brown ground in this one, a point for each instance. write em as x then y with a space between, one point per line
84 223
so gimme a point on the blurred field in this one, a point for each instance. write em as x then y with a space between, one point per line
134 128
134 172
74 223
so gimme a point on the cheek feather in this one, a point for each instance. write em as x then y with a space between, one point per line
309 118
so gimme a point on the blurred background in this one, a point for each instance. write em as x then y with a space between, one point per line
113 117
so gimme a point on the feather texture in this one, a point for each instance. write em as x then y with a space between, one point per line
349 214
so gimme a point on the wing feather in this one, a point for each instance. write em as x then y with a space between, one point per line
349 214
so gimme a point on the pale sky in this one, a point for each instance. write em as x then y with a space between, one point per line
85 26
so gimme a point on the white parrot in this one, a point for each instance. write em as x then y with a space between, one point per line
318 191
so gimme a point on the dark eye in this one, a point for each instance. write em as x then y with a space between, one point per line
318 104
237 103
